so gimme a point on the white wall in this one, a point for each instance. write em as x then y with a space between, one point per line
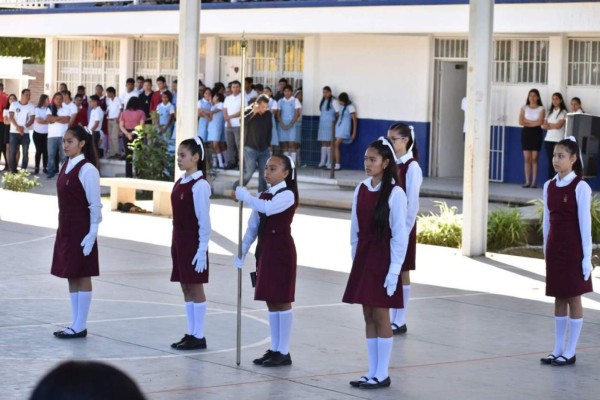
386 76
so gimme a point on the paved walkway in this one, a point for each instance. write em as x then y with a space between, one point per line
476 327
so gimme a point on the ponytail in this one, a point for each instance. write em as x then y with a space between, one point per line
409 132
291 180
382 208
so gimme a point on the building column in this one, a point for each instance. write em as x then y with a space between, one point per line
477 141
211 71
311 84
187 74
51 66
125 63
557 61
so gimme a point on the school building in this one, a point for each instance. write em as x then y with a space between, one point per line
399 60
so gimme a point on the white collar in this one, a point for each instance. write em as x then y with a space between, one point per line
405 158
368 183
280 185
74 161
195 175
567 179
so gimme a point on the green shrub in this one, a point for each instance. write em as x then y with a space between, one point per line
151 158
595 211
443 229
505 229
20 181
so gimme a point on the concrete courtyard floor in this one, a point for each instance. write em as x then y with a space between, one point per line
476 327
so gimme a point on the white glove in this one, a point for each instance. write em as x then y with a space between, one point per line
241 193
391 283
88 241
199 261
586 266
239 262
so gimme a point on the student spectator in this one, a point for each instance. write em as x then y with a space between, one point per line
576 106
6 132
282 84
84 98
3 105
114 106
174 93
161 87
139 86
62 87
554 124
204 114
40 134
258 130
290 111
251 94
81 118
58 122
129 92
231 113
216 130
68 103
145 98
531 118
86 380
131 117
165 115
345 127
95 124
21 114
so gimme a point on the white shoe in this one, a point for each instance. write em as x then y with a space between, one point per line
337 167
321 165
328 166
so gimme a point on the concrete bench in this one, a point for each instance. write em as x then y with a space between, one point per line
122 190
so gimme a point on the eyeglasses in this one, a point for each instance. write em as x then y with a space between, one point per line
393 139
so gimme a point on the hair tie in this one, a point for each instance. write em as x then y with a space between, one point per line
293 165
199 143
89 132
412 136
388 144
572 138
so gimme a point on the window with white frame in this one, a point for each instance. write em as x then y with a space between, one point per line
88 63
520 61
451 48
268 61
584 62
155 57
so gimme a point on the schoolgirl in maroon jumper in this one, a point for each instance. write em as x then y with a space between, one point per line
79 213
567 228
379 239
190 200
410 177
270 222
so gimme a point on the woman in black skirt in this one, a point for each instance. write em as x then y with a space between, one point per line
531 119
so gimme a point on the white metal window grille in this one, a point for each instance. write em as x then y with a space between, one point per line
88 63
584 62
520 61
451 48
269 60
155 57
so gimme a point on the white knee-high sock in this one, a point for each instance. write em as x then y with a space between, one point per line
189 312
293 155
372 351
327 155
575 326
220 159
560 329
285 331
74 304
393 312
323 156
401 312
83 307
384 351
199 313
274 328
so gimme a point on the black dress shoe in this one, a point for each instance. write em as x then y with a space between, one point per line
548 359
534 186
376 384
562 361
268 354
362 379
69 333
278 360
192 343
399 330
183 339
526 185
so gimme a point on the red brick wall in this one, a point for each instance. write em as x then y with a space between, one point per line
36 86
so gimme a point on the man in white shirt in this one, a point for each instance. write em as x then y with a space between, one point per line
95 123
129 92
139 85
113 111
231 114
251 94
21 115
70 105
58 123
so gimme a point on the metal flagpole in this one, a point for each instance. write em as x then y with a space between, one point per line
241 204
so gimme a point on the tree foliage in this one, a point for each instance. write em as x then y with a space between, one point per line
24 47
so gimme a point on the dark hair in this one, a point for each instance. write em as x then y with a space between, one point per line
323 99
346 100
236 82
220 96
111 90
94 98
573 149
57 94
148 80
291 182
288 87
174 81
196 148
78 96
133 103
8 102
218 86
25 90
89 149
130 80
62 83
168 94
140 78
404 131
80 87
259 87
268 88
263 98
382 208
205 89
283 80
577 99
86 380
66 92
562 105
249 79
99 86
41 101
161 79
538 95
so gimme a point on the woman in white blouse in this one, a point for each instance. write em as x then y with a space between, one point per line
576 106
554 124
531 119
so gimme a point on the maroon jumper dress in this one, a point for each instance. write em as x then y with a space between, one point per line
564 253
411 251
372 259
275 256
68 260
184 244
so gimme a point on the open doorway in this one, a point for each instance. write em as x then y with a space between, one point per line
447 140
